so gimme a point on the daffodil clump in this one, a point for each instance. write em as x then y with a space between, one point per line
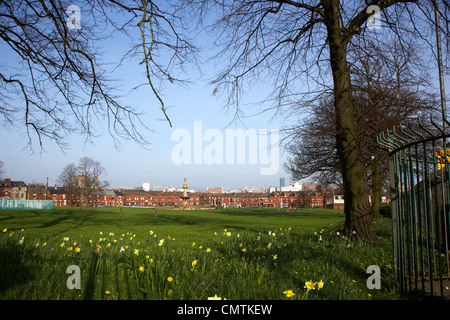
275 263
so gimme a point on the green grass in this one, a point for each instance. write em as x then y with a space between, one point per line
228 253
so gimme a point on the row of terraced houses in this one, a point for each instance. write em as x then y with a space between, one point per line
117 198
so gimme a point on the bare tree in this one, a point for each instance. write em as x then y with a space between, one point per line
387 90
54 81
302 46
90 172
68 178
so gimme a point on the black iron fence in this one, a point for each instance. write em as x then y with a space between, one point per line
419 157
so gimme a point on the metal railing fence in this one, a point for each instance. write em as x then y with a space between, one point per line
419 160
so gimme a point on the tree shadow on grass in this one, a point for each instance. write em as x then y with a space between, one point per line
13 272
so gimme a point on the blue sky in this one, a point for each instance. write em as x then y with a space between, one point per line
132 165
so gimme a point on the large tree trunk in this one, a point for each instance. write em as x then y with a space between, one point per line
358 218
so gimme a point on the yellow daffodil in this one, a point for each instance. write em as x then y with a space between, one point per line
289 293
141 269
208 250
320 285
62 244
275 257
170 279
309 285
107 292
77 249
136 252
194 263
215 298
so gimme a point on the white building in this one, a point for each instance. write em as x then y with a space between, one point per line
296 186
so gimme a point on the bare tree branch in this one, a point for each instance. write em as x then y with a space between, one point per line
54 79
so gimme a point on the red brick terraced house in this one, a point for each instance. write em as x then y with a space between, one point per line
141 198
16 190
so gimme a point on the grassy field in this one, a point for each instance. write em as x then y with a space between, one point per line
230 253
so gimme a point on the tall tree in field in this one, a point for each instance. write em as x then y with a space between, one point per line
90 171
298 44
68 178
387 90
83 179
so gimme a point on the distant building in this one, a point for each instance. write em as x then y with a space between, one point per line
146 186
296 186
282 182
338 199
214 190
16 190
311 186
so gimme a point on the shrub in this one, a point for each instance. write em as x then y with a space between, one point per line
386 210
